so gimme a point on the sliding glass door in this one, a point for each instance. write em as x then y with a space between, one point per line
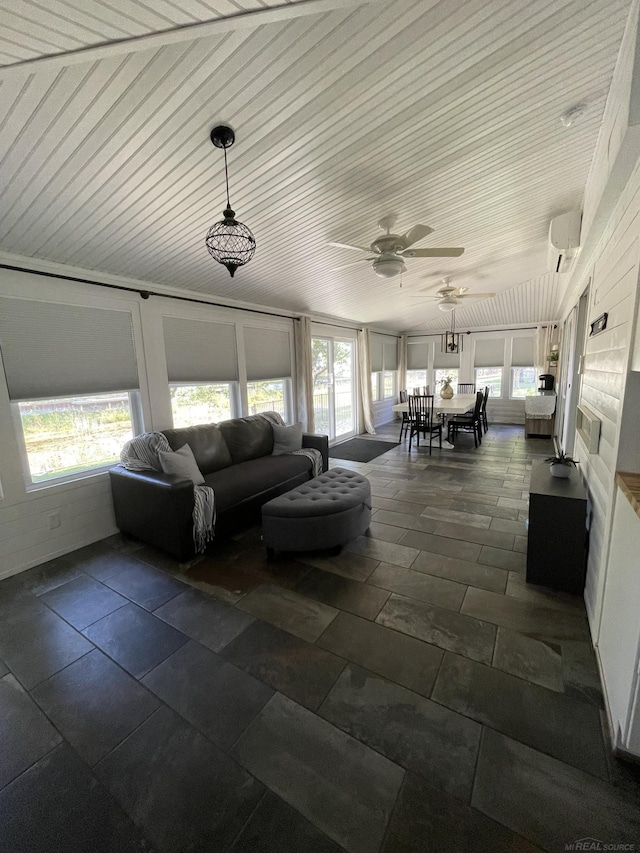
334 387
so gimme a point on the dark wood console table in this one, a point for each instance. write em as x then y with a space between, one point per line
557 545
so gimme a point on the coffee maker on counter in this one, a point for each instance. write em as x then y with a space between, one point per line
547 381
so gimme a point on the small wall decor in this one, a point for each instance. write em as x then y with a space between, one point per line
599 325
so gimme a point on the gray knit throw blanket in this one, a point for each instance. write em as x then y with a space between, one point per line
141 454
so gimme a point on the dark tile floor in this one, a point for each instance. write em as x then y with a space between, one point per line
409 694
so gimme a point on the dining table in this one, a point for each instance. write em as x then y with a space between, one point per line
456 405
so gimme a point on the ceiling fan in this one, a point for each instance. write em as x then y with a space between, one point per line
448 297
390 250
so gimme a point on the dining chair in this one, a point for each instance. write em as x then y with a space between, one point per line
406 422
483 410
466 388
469 422
421 415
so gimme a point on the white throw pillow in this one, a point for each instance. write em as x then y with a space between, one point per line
181 462
286 439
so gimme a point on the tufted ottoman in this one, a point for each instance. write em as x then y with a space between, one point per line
324 513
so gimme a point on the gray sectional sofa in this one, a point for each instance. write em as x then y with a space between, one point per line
235 458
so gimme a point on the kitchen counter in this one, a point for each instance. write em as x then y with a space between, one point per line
630 487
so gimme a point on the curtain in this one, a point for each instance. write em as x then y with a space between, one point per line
543 345
364 381
304 375
402 367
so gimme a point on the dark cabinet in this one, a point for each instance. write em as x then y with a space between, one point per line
557 545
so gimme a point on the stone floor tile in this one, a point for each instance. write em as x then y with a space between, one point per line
300 670
502 559
183 791
211 622
57 805
532 619
424 587
457 516
548 801
462 571
440 545
106 563
95 704
384 532
275 827
416 733
49 575
533 660
25 733
82 601
469 533
388 552
146 586
426 818
402 659
346 564
443 628
295 613
551 722
517 587
135 639
345 594
342 786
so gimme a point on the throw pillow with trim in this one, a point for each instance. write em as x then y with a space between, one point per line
181 462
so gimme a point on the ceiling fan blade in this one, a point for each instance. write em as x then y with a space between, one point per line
433 253
475 295
416 233
348 246
352 264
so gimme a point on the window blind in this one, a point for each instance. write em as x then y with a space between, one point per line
489 353
445 359
52 350
268 354
522 352
417 356
390 353
376 353
199 351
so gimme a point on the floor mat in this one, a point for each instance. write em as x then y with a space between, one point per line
360 449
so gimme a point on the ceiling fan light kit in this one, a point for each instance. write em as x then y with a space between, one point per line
390 250
229 242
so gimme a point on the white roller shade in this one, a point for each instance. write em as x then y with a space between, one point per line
268 354
52 350
489 352
390 353
375 353
417 356
522 352
198 351
445 359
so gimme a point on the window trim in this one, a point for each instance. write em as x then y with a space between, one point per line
520 367
137 427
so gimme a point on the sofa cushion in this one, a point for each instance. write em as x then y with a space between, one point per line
181 462
250 479
207 443
247 438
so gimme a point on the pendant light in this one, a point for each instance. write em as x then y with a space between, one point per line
229 242
451 342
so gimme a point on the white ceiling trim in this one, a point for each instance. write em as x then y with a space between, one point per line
188 32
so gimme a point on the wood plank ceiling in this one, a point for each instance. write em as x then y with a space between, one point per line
447 113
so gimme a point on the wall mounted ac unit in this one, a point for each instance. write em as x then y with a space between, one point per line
564 240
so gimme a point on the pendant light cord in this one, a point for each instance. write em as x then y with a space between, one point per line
226 176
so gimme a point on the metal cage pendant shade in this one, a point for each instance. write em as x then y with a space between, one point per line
451 342
229 242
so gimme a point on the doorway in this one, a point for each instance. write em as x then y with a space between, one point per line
334 386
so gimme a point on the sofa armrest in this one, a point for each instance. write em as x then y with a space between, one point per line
155 507
319 442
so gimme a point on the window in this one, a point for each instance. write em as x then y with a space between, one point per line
200 404
491 376
67 435
523 381
375 396
388 384
268 396
441 373
416 379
